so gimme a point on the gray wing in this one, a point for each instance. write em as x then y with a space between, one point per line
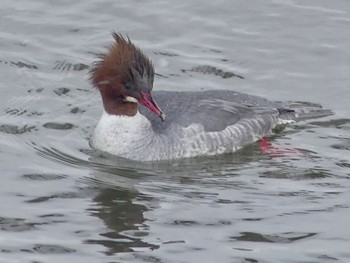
215 110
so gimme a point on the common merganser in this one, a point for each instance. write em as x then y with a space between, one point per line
196 123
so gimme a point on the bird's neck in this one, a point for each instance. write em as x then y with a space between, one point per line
114 104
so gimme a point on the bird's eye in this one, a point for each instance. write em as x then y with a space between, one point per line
128 85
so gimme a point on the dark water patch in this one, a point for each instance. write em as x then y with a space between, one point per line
294 213
80 66
185 222
43 177
15 224
292 194
250 260
344 146
51 215
41 199
14 129
24 65
167 54
316 174
19 64
20 112
327 258
288 237
15 111
52 249
64 65
344 164
328 185
161 76
174 75
308 195
220 223
206 69
58 126
120 246
84 90
66 195
215 50
226 201
295 174
242 249
61 91
74 30
333 193
26 250
38 90
40 249
35 113
50 219
252 219
198 194
327 209
76 110
174 242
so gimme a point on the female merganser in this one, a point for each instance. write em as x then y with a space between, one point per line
196 123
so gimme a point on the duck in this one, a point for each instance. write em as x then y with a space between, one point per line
140 124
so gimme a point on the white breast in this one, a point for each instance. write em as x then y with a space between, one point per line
121 135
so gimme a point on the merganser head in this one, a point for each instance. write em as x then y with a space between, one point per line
124 77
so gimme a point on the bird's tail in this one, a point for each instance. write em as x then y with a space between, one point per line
300 111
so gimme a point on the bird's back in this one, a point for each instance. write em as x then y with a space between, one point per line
217 109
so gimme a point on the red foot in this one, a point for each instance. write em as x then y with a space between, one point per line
267 148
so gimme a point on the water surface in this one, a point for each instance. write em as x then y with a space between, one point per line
61 201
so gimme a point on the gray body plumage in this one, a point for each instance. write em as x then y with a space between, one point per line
197 123
217 109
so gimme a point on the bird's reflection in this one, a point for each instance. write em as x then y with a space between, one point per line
124 218
120 204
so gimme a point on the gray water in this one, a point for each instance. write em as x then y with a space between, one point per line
62 202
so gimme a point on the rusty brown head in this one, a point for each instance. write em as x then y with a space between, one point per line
124 77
